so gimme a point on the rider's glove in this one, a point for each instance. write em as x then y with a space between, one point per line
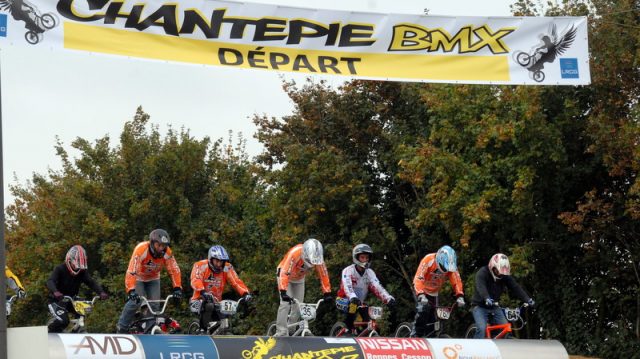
327 298
422 298
58 295
285 297
391 303
460 302
133 296
247 297
531 303
103 295
177 294
489 302
21 294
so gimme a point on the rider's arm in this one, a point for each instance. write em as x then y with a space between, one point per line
286 267
421 273
456 283
323 274
134 263
482 277
516 289
376 288
172 268
197 278
54 278
235 280
12 280
347 284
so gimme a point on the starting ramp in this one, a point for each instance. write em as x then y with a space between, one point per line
35 342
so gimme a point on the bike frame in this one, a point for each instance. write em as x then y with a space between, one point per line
224 323
438 325
77 325
10 302
371 328
154 314
513 316
302 326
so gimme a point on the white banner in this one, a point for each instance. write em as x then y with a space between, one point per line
477 50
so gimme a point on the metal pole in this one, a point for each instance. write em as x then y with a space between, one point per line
3 278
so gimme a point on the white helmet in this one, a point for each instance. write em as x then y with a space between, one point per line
312 252
499 265
359 249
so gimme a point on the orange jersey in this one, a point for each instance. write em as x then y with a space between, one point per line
429 279
292 268
144 268
203 278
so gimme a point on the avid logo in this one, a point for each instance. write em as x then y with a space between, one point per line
3 25
105 345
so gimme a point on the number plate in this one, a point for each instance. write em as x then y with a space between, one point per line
512 314
443 313
228 307
307 311
375 312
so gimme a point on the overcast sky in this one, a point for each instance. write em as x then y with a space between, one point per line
68 94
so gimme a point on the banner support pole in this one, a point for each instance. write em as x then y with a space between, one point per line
3 279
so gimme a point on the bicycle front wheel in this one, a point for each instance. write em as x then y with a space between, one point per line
404 330
271 329
471 331
337 329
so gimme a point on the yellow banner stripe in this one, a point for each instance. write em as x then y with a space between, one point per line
84 37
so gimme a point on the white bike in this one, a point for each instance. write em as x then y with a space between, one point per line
300 328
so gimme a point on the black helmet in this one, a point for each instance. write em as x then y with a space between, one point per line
160 236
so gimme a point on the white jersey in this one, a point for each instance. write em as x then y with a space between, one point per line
354 284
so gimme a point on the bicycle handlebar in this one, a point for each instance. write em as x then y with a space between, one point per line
147 302
72 300
314 304
12 299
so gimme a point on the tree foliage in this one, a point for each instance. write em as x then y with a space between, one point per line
547 175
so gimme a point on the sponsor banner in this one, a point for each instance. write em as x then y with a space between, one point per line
178 347
98 346
491 50
395 348
323 348
464 348
251 347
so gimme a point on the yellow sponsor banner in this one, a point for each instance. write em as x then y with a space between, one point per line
406 66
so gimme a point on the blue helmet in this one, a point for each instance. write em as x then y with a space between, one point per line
446 259
219 253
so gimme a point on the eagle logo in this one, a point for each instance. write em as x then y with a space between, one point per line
547 51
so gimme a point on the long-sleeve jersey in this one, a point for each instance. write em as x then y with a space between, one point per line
358 285
203 278
144 267
12 280
292 269
429 279
489 287
61 280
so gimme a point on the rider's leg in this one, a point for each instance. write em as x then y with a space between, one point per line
499 318
425 317
208 315
60 317
296 291
129 310
481 317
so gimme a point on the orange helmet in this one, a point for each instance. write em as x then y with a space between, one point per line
76 259
499 265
